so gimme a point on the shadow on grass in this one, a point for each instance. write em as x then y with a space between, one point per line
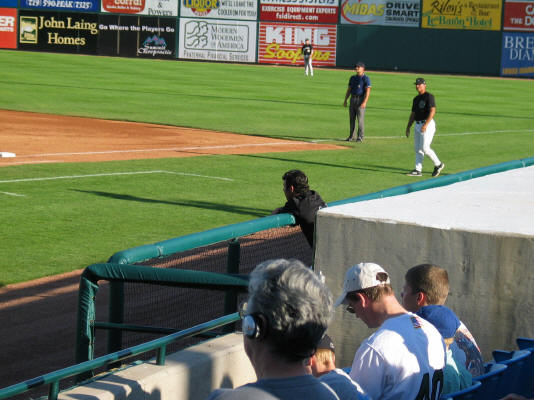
357 167
205 205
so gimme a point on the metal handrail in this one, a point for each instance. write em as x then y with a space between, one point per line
53 378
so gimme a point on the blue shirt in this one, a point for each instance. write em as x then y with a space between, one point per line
359 84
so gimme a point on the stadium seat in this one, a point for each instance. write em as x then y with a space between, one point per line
514 377
528 344
464 394
491 381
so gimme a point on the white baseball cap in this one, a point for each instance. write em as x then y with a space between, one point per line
361 276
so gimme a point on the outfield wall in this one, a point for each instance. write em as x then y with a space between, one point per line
479 230
483 37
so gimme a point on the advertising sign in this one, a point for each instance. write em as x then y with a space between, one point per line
163 8
282 43
220 9
58 32
9 3
8 28
217 40
517 54
318 11
461 14
518 15
134 36
65 5
381 12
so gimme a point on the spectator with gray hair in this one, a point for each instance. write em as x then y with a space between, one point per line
286 315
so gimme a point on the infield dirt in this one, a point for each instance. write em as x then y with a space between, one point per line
43 138
37 318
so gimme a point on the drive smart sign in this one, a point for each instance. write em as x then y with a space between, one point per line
8 28
281 43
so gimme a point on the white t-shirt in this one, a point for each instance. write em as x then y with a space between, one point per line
402 360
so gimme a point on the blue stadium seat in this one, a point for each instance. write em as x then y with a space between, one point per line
491 381
528 344
514 377
464 394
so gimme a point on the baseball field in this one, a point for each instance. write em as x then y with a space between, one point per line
114 153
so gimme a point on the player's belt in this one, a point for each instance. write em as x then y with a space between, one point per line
421 121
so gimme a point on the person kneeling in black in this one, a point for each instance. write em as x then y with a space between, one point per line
302 202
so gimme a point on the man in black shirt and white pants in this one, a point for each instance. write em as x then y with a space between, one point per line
423 111
307 53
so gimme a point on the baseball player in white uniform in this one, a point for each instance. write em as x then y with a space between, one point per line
423 111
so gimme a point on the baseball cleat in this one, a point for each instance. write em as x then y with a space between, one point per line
414 173
437 170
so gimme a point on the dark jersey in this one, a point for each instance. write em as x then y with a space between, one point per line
306 50
304 208
422 104
359 84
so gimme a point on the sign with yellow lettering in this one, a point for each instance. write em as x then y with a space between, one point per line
58 32
381 12
282 43
517 56
461 14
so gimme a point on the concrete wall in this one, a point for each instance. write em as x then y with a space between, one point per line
190 374
490 269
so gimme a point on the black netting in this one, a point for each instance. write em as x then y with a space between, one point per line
180 308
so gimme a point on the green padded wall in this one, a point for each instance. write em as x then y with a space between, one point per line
415 49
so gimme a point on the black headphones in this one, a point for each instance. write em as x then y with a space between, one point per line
252 326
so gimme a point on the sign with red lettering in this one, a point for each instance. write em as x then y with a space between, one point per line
161 8
324 12
281 43
518 16
8 28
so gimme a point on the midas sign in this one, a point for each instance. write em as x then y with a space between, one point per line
363 9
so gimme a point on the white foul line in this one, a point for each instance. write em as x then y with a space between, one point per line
439 134
177 149
13 194
115 174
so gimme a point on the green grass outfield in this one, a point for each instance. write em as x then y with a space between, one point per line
60 217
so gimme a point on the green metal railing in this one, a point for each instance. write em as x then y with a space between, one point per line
234 231
114 273
53 379
85 338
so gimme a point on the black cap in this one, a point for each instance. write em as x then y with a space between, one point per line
420 81
326 343
360 64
